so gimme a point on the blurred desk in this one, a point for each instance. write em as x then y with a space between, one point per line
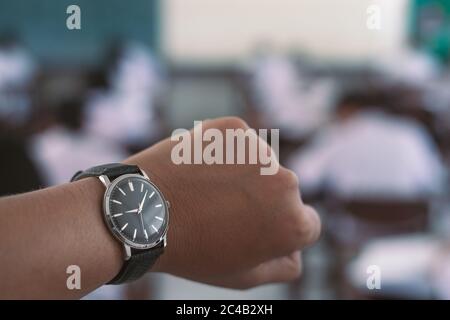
350 224
405 268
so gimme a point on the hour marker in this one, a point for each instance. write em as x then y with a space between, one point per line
154 228
159 218
123 192
123 228
158 205
151 194
130 184
145 233
118 202
117 215
142 187
134 234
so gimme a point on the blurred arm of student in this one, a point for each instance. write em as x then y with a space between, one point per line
230 226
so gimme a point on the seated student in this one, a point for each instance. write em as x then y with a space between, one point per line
53 150
370 154
289 99
17 70
134 85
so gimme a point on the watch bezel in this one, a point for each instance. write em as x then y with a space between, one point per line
108 218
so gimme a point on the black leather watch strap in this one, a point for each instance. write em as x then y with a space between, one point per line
140 261
112 170
138 264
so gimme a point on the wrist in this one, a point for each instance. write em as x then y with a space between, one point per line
160 173
90 191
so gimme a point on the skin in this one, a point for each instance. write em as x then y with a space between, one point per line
229 226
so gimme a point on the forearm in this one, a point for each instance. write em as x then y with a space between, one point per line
44 232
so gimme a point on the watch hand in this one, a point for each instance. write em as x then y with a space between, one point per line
130 211
142 202
142 224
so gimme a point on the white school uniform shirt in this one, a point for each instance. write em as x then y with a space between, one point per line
371 155
126 112
59 153
294 103
17 68
121 117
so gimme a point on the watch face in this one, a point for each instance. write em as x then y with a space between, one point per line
136 210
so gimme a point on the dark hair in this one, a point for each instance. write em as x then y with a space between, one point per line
362 99
70 113
17 169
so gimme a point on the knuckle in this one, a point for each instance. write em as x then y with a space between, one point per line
288 178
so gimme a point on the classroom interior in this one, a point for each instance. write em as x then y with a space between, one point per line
363 111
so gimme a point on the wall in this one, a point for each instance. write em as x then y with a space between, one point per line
226 30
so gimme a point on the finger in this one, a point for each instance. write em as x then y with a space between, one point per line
301 230
309 226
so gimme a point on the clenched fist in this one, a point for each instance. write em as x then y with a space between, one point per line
230 225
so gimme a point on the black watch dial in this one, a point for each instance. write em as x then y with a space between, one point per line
137 211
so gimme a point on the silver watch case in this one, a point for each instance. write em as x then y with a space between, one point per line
128 244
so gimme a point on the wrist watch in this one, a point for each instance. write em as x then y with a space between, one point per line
136 213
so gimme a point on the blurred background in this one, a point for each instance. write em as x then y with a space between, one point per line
358 88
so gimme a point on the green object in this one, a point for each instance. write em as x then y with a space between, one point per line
430 27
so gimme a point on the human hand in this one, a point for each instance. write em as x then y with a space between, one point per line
230 225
